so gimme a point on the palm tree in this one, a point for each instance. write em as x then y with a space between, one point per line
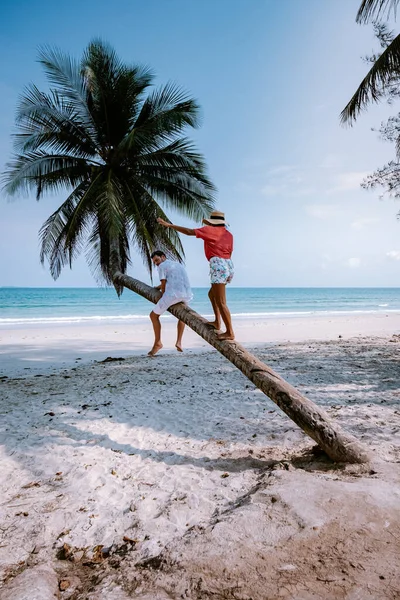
384 68
119 146
121 154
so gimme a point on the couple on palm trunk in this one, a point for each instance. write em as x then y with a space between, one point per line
218 247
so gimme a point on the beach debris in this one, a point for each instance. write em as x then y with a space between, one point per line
65 552
64 585
110 359
130 540
63 533
31 485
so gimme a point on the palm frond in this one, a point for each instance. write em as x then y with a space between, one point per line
147 235
51 122
66 74
163 116
115 92
370 89
53 233
372 9
40 171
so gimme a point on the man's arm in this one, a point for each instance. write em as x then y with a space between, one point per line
178 228
162 286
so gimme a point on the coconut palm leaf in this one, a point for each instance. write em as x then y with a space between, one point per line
372 9
372 86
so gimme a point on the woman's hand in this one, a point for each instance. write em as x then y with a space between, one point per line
162 222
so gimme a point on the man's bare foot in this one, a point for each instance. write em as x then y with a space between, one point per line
178 347
214 324
226 336
155 349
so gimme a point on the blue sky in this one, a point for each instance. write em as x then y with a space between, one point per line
272 77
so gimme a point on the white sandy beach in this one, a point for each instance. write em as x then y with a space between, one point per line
44 347
174 477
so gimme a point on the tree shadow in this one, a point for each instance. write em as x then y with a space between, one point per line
215 404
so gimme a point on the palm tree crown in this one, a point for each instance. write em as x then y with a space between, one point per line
118 149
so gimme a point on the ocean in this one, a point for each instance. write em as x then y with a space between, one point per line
35 306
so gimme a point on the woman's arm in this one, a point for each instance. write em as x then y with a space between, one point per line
184 230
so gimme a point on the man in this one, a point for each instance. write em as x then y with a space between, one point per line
175 287
218 248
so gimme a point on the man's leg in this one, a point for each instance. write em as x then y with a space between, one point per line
180 330
217 322
219 293
155 319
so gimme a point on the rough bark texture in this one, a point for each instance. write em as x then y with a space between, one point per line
338 445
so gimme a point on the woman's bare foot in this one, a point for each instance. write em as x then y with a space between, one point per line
226 336
155 349
178 347
215 325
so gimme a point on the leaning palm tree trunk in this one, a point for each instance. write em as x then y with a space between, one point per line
338 445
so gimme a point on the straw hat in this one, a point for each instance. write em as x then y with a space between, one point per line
216 218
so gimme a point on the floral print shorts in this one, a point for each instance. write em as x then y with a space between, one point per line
221 270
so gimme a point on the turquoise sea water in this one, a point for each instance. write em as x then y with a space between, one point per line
23 306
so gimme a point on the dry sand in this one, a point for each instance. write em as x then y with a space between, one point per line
174 477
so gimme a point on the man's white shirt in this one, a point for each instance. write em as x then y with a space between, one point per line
177 282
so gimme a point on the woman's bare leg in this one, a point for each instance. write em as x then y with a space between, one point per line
219 294
180 330
217 321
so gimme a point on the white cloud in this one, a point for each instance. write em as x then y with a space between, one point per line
353 263
364 222
331 161
393 254
327 260
286 180
346 182
323 211
280 169
289 191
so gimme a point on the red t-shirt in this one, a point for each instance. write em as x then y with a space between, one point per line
218 241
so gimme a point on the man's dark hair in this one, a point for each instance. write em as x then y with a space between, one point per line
158 253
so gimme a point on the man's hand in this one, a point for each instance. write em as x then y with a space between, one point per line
162 222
